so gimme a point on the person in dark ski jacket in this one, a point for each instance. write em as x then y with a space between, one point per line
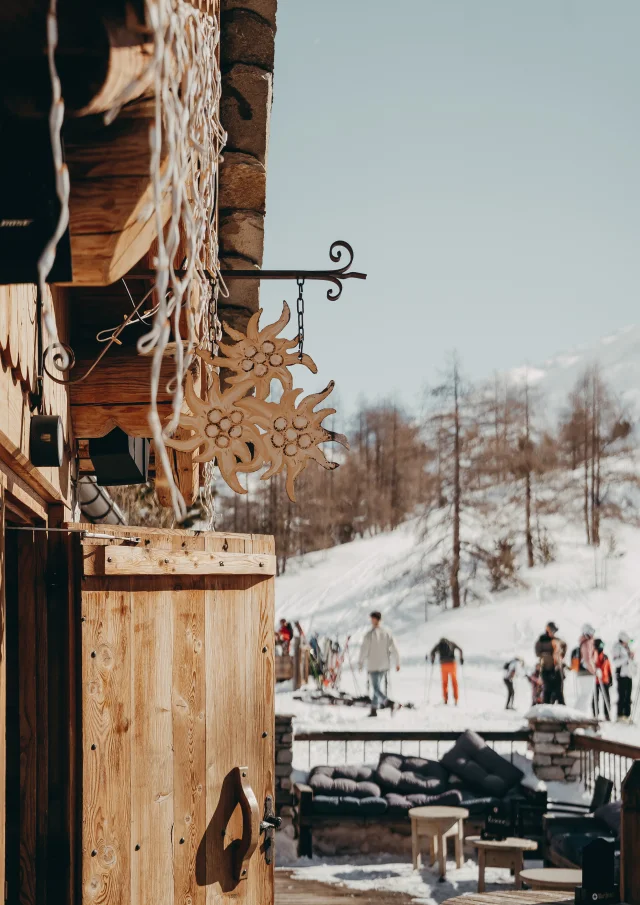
446 651
604 681
511 670
551 651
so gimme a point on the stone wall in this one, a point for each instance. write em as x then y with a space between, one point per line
247 47
554 757
284 769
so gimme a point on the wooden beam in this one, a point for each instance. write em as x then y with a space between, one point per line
122 560
97 404
103 55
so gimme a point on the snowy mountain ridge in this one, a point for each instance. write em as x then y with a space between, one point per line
618 355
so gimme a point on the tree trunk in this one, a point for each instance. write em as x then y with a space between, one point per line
587 520
455 563
527 482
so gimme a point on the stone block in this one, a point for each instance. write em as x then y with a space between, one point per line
246 38
284 782
547 725
542 737
287 811
243 182
549 748
541 760
550 773
242 233
562 738
264 8
245 109
283 769
284 756
562 761
287 738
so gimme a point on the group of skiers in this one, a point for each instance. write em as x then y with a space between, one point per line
592 669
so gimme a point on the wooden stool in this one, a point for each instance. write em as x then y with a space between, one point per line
552 878
501 853
437 824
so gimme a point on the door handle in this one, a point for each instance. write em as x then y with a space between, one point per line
250 823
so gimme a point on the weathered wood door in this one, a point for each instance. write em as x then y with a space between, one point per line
177 718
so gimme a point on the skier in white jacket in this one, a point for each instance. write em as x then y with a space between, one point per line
623 663
376 653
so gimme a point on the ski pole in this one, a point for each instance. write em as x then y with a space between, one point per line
462 685
634 709
428 685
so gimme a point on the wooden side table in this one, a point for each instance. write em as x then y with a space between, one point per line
552 878
501 853
437 824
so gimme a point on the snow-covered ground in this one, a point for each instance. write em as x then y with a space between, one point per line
332 592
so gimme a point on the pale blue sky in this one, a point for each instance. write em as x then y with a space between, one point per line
482 158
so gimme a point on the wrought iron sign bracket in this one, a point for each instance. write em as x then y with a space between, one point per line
335 276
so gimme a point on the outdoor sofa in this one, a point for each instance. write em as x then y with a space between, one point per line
469 775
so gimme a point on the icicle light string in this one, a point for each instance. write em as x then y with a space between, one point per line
188 133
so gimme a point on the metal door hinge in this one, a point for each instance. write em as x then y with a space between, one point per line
269 824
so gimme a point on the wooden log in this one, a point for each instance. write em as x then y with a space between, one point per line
630 837
103 55
186 474
96 403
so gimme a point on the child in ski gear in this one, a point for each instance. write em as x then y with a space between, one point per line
285 634
604 681
537 688
586 673
446 651
551 652
376 653
623 663
511 670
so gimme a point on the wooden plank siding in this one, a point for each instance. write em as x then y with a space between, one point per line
177 692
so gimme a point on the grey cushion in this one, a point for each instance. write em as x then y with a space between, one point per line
331 781
609 814
352 807
406 775
480 768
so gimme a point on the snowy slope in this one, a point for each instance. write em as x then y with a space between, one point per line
332 592
618 356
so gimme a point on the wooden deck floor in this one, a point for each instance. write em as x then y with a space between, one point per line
309 892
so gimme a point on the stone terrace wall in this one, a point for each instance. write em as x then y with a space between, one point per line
284 769
554 757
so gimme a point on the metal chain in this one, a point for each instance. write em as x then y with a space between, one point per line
300 307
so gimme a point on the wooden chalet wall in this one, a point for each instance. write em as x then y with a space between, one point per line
177 694
18 360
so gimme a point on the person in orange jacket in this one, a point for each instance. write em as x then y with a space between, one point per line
446 651
604 680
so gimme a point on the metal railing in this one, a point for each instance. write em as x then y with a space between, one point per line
336 748
603 757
